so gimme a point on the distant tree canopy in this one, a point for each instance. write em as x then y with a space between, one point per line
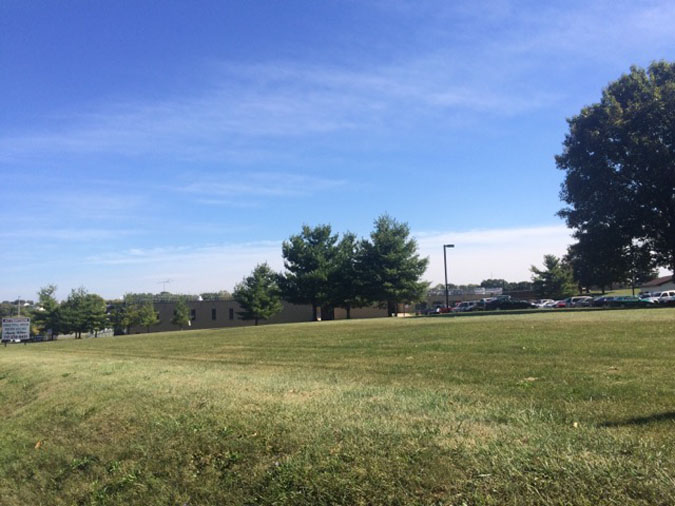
181 314
122 318
346 276
48 316
390 265
555 280
619 163
83 312
221 295
309 259
506 285
258 294
328 272
146 316
128 313
321 269
156 298
493 283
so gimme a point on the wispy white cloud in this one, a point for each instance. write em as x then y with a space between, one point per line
237 203
279 100
191 269
483 61
478 254
258 184
68 234
504 253
195 255
588 33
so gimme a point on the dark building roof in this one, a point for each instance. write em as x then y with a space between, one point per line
659 281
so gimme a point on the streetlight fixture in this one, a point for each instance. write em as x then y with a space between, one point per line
445 266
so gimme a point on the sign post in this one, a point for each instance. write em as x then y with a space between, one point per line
16 329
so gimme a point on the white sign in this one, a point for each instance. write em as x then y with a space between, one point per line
16 328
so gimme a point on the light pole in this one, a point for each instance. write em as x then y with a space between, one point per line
445 267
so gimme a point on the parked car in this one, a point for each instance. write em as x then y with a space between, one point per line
667 297
627 301
578 301
560 303
472 305
652 297
543 302
602 301
430 310
582 301
508 303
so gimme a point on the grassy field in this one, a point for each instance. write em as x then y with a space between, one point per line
525 409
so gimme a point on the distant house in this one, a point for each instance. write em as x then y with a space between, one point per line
659 284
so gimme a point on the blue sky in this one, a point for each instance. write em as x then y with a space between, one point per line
144 141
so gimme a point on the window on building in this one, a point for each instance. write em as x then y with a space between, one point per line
213 313
193 314
231 314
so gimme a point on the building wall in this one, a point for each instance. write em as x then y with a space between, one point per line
670 285
221 314
361 312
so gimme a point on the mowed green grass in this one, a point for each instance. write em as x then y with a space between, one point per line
574 408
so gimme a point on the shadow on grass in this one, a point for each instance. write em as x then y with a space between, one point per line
642 420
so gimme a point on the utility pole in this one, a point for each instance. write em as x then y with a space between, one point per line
445 267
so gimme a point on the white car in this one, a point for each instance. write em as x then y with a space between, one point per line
583 301
652 298
466 306
544 302
667 297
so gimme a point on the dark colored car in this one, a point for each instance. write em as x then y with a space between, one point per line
602 301
627 301
508 303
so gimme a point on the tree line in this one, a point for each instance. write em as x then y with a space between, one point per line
322 269
84 312
327 271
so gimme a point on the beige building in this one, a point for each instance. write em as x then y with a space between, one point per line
223 313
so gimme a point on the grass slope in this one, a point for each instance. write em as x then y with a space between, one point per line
525 409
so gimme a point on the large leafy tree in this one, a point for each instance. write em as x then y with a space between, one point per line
345 278
598 258
146 316
96 313
390 265
83 312
258 294
554 280
121 317
619 159
181 314
308 260
48 313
